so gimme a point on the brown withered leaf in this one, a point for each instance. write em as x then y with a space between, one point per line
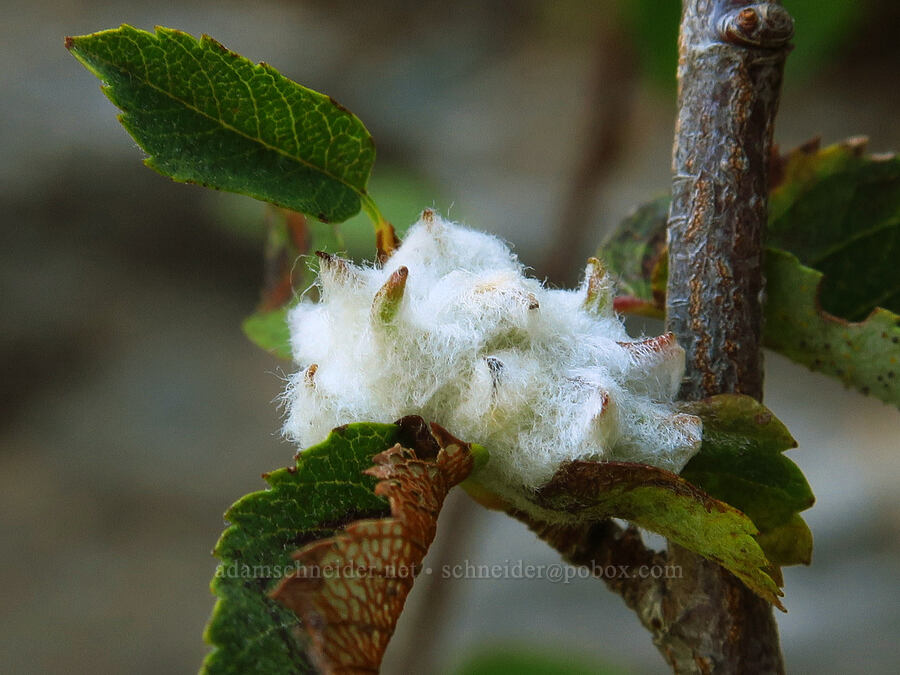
349 589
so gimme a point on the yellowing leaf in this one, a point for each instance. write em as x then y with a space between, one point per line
864 354
665 503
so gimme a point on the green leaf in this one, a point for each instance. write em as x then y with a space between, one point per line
864 355
740 463
838 211
667 504
788 544
327 489
270 331
206 115
524 659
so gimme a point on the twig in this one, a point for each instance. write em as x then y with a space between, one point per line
731 59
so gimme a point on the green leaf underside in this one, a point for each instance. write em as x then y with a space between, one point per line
664 503
206 115
741 463
270 331
250 632
790 543
839 209
632 255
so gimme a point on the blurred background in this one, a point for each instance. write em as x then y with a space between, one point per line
134 411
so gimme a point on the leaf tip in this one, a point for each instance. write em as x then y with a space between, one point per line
69 42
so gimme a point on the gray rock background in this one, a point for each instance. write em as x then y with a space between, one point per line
134 411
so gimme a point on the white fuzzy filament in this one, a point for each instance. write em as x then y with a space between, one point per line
451 329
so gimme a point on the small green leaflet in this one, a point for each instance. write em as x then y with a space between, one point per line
741 463
270 331
327 489
634 254
207 115
788 544
290 271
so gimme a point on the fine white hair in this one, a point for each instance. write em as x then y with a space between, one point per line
451 329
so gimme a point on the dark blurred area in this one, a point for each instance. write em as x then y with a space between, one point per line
134 411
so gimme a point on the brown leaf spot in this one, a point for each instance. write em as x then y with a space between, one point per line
763 418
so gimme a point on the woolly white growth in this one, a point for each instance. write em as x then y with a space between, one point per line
451 329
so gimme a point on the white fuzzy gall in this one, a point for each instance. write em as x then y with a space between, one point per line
450 329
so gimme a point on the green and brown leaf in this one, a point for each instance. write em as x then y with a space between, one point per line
326 490
736 502
663 502
864 354
362 531
350 589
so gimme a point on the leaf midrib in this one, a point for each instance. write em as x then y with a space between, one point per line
224 124
889 224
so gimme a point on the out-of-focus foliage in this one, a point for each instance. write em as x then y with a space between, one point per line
526 660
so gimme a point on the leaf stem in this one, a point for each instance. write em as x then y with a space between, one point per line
385 237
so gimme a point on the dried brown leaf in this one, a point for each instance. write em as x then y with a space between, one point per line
349 589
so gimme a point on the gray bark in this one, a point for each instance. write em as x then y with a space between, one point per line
731 59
